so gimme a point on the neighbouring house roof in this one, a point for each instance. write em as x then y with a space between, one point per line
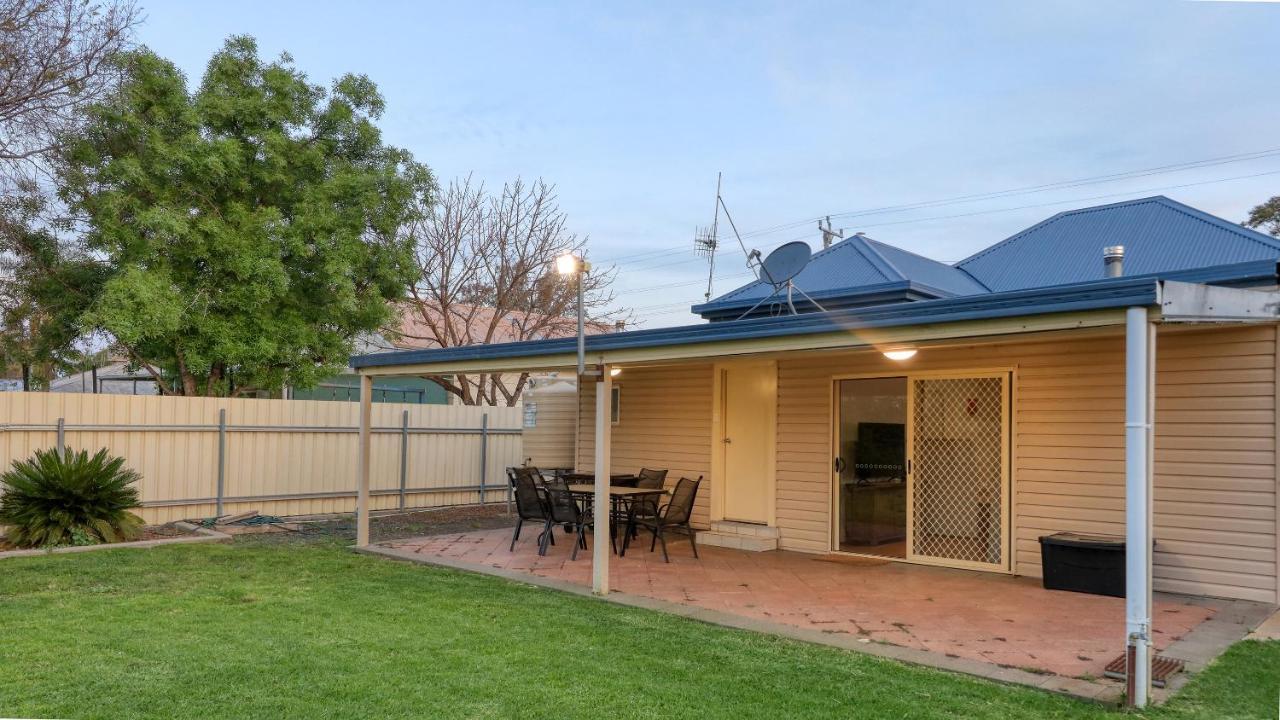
114 378
474 322
1159 235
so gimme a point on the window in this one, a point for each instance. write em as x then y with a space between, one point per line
615 404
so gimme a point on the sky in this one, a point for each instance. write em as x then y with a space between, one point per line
808 109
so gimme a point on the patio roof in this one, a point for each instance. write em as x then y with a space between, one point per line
1088 304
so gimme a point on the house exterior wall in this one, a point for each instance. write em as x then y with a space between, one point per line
1215 469
664 422
550 416
1215 445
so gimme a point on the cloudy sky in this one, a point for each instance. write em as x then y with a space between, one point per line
807 108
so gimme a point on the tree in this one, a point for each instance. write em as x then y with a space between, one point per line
55 58
239 238
1266 217
486 273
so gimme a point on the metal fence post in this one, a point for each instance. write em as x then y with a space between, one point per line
222 457
484 453
404 455
62 436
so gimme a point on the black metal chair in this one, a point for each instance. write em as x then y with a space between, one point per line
646 507
672 516
563 509
531 506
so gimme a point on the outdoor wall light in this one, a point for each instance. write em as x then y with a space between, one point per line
615 371
903 354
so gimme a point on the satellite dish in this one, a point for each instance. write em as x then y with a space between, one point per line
779 269
785 262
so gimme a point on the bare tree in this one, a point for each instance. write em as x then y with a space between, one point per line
55 56
486 265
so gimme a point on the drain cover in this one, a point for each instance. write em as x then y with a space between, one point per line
1161 669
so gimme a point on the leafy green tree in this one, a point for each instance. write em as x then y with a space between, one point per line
1266 217
237 238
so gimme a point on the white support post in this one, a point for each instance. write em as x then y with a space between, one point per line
600 506
362 461
1139 396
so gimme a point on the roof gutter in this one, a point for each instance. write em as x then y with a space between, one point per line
842 328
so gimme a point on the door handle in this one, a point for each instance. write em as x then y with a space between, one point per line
839 464
726 441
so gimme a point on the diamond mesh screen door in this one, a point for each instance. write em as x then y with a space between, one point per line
958 486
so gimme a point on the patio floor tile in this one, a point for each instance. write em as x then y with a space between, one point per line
997 619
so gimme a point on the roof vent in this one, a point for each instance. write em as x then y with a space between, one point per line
1113 259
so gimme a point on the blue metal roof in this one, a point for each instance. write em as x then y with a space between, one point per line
851 268
927 271
1112 293
1159 235
1095 295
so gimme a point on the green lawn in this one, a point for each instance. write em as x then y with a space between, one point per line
295 630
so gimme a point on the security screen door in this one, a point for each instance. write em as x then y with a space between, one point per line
958 470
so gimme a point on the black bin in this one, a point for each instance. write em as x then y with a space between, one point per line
1083 563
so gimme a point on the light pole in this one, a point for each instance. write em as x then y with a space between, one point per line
570 264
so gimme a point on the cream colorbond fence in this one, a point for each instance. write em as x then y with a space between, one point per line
202 456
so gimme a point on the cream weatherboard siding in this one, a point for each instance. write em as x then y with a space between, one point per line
664 422
553 408
1215 468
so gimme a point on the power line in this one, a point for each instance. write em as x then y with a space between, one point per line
1010 192
999 210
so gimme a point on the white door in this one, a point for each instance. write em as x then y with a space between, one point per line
748 394
958 470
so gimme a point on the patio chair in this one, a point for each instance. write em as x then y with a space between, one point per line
563 509
646 506
672 516
531 506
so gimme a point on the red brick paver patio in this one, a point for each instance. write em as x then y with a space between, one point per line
1011 622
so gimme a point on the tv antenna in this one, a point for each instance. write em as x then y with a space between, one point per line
706 240
779 269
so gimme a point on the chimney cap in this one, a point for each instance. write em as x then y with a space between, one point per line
1116 251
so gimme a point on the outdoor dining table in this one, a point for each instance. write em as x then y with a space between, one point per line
617 494
618 479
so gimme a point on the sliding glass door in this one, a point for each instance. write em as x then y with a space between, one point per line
871 466
921 468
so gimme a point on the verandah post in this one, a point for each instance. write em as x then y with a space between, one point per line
1139 396
600 500
362 461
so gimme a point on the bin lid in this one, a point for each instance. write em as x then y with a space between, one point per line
1074 539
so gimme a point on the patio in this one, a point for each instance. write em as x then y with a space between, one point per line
948 618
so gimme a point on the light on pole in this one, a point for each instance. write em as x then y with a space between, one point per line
572 265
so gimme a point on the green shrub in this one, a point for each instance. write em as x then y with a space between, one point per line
69 499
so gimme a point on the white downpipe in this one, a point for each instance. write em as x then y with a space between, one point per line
1139 396
600 503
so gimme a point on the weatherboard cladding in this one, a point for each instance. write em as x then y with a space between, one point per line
1159 235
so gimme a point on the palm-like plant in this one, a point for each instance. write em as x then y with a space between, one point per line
69 498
